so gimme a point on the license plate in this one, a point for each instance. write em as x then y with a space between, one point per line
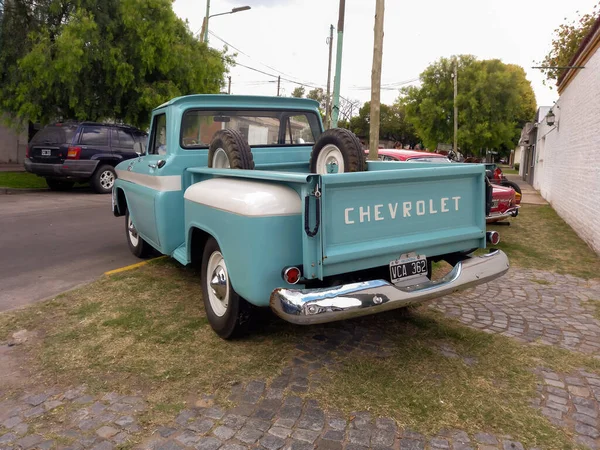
46 152
408 267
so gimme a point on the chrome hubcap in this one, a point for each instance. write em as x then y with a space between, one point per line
218 284
133 236
107 179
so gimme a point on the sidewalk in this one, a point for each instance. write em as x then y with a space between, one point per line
530 195
11 167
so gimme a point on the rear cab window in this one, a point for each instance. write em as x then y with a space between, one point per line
259 128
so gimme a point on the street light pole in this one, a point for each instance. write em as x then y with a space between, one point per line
338 66
205 23
206 17
455 107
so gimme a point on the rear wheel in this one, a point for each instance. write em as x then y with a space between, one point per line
337 151
137 245
228 313
103 179
515 186
59 185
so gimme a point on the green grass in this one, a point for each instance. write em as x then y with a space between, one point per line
146 330
539 239
21 180
509 170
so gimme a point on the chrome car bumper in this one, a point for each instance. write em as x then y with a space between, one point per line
510 212
310 306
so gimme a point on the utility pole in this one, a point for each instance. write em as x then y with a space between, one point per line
328 98
455 107
205 23
338 66
376 81
278 84
229 87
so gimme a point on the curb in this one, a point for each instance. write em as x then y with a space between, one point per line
11 191
132 266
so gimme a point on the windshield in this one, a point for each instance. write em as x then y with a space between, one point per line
259 128
431 159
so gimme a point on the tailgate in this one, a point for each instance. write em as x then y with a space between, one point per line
370 218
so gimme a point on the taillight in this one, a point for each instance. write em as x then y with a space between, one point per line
27 152
492 237
291 275
74 153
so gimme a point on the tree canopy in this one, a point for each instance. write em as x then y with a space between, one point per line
494 101
99 59
565 42
392 124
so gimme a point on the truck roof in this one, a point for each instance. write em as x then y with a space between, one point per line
241 101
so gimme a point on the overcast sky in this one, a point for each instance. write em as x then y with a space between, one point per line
289 37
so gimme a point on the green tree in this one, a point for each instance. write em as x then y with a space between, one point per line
494 102
106 59
565 42
298 92
393 125
318 95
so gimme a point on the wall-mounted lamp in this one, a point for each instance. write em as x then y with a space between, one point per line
550 118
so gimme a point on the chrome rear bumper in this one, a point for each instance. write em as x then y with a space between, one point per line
310 306
510 212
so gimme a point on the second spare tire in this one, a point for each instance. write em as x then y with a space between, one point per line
337 151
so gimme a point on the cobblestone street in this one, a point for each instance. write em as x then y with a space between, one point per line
532 306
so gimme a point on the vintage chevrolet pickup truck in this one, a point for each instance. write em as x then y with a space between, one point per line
277 212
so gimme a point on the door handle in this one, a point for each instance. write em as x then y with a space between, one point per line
158 165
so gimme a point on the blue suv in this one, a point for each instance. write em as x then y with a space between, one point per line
70 152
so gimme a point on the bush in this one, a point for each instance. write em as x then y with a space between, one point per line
517 166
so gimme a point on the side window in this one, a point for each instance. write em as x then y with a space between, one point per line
125 139
158 141
94 135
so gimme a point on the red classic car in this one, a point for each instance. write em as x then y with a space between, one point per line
505 201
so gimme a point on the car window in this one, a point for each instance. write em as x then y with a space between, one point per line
158 140
94 135
259 128
125 139
55 134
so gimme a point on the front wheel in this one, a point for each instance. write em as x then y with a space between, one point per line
137 245
515 186
227 313
103 179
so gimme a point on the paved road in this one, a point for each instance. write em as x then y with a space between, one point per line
53 241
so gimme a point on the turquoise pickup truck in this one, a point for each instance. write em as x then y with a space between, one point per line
278 213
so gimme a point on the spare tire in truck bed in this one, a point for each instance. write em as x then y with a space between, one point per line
229 150
337 151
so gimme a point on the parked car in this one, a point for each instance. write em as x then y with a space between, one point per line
70 152
315 233
505 201
497 177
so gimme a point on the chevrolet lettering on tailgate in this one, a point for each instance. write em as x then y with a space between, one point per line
419 208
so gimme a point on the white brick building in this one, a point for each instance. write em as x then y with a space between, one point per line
567 154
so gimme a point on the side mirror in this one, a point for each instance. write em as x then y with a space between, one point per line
489 174
139 148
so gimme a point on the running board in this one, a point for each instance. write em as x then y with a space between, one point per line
180 254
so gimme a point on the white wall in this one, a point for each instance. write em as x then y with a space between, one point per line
12 144
567 172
